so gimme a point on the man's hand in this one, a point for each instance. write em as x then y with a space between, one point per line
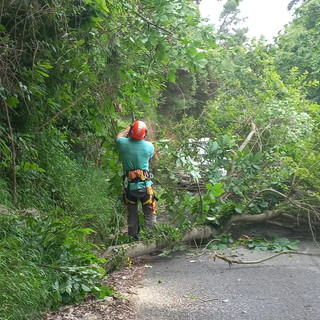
123 132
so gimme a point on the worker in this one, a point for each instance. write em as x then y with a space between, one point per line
135 154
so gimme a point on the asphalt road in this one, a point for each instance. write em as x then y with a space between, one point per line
190 286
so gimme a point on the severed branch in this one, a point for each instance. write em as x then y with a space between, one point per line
201 201
244 144
59 113
152 23
230 261
303 206
263 191
249 136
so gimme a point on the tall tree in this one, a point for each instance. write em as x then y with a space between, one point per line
299 45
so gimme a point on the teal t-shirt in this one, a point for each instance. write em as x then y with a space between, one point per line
135 154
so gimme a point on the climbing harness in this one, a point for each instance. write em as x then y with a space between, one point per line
134 176
138 175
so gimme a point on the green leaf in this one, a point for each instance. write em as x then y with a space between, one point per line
292 247
12 102
171 76
144 40
200 56
238 209
201 63
218 190
86 230
264 204
144 95
47 65
30 166
44 74
85 287
192 51
209 187
68 289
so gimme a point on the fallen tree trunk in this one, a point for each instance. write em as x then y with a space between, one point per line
253 218
269 216
115 254
140 248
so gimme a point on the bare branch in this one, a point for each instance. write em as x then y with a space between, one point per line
231 261
243 145
59 113
263 191
249 137
152 23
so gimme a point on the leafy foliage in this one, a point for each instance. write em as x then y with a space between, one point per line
164 234
221 242
70 71
297 48
276 245
48 261
260 131
234 123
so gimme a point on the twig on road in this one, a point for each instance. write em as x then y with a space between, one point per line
231 261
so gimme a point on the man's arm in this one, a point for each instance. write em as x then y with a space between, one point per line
154 159
123 132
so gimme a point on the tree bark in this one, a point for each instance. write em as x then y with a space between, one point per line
255 218
114 254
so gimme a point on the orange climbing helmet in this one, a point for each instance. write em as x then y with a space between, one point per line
138 130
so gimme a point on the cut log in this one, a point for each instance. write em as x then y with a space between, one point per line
115 254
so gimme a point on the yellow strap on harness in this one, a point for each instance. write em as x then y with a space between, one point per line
151 199
148 201
129 201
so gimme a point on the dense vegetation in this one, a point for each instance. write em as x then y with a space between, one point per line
72 74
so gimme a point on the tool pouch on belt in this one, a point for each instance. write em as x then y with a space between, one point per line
137 175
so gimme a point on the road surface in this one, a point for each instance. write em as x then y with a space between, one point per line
189 285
